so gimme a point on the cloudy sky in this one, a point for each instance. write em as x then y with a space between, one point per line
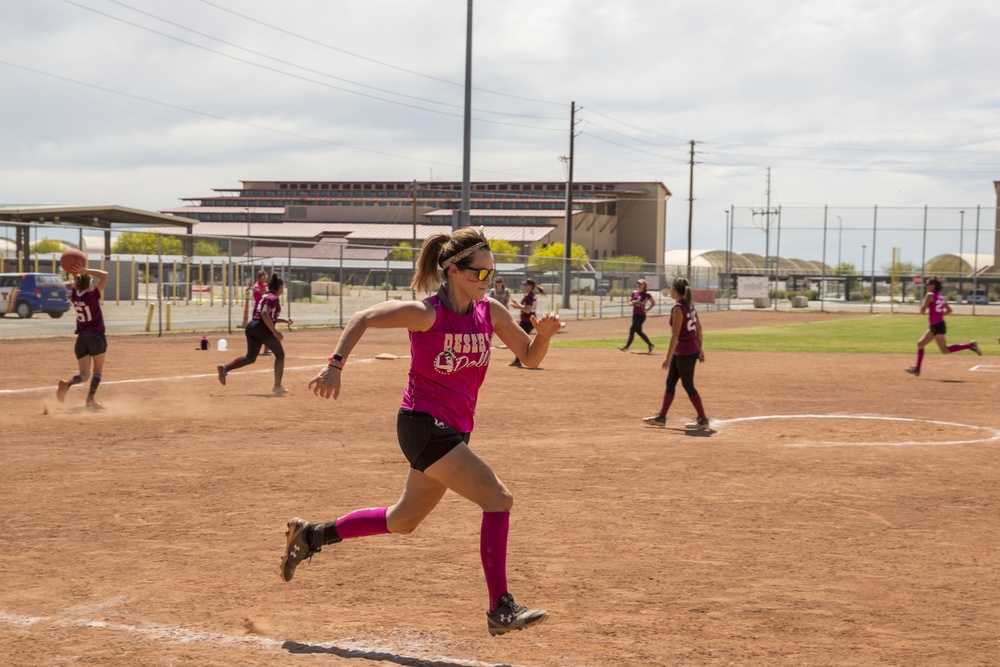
848 104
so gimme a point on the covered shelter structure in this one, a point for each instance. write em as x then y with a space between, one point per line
104 218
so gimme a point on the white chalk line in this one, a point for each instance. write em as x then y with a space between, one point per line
367 649
214 374
995 433
986 368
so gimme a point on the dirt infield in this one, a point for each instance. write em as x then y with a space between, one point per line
797 531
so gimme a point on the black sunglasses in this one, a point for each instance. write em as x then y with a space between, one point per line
484 275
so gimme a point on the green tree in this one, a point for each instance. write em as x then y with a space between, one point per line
844 269
402 253
143 243
550 258
203 248
504 251
615 263
900 268
46 246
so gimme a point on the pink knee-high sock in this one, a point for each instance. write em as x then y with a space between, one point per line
920 357
493 551
667 400
959 348
362 523
696 402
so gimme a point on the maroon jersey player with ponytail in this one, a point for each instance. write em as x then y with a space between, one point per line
91 345
684 353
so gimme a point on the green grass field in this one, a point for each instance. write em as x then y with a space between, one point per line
877 334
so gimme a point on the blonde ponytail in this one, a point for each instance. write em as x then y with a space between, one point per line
441 251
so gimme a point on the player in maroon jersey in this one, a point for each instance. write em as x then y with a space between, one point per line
528 307
641 302
257 290
91 344
684 353
262 331
936 306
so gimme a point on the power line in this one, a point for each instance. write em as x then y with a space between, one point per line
372 60
255 126
304 68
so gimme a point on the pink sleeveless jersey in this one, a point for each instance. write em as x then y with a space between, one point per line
448 364
935 313
687 341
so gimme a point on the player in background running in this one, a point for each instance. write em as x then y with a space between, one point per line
684 352
450 336
91 343
936 306
641 302
262 331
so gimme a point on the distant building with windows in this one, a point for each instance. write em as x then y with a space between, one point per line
609 218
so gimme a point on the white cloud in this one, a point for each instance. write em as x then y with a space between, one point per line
848 103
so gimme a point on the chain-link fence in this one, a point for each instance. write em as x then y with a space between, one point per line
185 282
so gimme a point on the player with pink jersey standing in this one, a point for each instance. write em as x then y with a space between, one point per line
450 351
684 352
91 344
936 305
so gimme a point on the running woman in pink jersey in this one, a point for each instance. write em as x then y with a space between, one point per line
936 305
91 344
684 352
450 351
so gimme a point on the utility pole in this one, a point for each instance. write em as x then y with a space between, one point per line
463 216
690 208
767 212
568 234
413 250
961 248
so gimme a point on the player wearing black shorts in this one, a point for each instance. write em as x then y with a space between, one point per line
91 344
262 332
683 354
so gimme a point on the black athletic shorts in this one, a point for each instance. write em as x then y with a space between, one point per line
939 329
425 440
90 345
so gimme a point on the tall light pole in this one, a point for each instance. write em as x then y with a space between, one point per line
961 236
729 259
840 237
863 266
463 216
250 247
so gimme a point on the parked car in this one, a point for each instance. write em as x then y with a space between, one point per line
976 296
29 293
